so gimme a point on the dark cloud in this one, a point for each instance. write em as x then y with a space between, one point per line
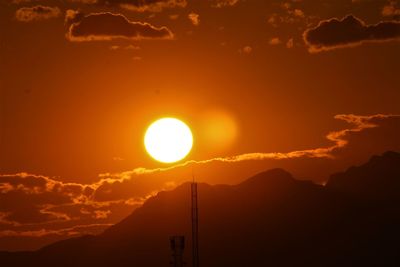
36 13
350 31
38 206
109 26
153 5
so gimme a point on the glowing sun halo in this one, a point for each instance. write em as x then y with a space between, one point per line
168 140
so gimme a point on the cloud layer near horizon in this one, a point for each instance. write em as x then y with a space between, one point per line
36 205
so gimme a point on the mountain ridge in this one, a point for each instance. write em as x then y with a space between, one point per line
260 221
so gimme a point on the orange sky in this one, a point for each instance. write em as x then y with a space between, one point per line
81 82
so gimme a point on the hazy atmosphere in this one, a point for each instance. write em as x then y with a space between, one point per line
311 87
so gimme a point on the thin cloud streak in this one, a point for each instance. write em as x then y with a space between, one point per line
70 231
37 13
360 123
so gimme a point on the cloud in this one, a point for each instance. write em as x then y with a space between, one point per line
37 13
73 16
295 12
101 214
138 5
274 20
20 1
338 138
392 8
275 41
70 231
108 26
298 13
131 47
224 3
246 50
290 43
34 199
128 47
29 201
348 32
290 15
194 18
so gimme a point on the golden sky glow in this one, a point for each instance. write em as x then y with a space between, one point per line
308 86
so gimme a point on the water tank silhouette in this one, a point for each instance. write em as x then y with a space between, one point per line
177 244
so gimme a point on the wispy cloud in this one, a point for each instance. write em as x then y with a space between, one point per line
391 9
337 137
194 18
36 13
70 231
223 3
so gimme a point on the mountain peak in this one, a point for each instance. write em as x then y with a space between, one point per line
269 177
391 154
273 212
379 178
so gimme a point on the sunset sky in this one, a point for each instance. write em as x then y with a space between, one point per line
309 86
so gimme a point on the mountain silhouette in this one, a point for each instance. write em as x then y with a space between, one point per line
378 180
270 219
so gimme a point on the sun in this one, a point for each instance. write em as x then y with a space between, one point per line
168 140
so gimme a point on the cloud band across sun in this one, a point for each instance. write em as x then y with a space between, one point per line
62 208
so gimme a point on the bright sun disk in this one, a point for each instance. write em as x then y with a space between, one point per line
168 140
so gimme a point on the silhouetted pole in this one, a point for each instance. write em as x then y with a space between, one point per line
195 222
